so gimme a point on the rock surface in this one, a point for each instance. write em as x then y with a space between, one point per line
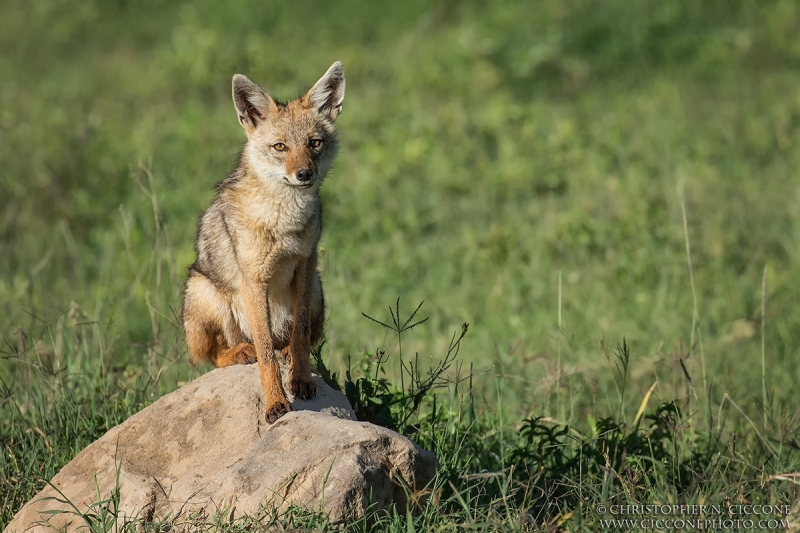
206 446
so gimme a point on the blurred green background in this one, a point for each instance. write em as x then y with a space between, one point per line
494 156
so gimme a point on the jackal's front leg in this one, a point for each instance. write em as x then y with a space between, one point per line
256 310
301 383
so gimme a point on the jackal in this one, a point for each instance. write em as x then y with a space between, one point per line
254 287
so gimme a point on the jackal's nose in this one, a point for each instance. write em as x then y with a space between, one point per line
305 174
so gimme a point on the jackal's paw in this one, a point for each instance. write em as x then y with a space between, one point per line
245 353
276 410
303 388
286 355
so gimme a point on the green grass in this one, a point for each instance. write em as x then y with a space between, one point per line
538 170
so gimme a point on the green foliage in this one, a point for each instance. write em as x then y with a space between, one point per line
372 399
551 453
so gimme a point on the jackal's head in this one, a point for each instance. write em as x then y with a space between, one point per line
292 144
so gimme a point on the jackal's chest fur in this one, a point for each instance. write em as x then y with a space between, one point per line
283 233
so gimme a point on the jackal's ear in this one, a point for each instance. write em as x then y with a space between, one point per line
253 105
327 94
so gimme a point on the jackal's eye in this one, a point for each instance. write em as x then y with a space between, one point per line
315 143
279 147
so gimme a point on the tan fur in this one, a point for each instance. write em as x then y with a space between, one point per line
254 287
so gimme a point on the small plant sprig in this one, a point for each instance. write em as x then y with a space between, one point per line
374 399
400 329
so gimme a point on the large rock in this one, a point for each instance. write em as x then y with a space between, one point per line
206 446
